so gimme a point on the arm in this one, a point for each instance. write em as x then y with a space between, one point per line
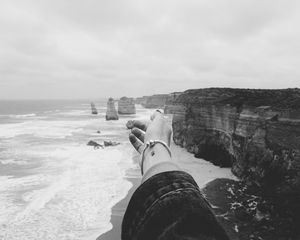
168 204
157 159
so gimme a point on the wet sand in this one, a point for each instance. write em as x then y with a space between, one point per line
133 175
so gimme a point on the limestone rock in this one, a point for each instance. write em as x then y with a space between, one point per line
111 112
110 143
154 101
94 144
256 132
94 109
140 100
126 106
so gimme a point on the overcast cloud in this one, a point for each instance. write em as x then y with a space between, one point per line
97 48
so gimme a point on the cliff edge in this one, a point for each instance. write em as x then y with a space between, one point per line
255 132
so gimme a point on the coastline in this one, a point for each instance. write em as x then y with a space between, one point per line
118 210
231 200
186 161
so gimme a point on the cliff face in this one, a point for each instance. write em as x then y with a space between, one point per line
126 106
111 112
140 100
154 101
256 132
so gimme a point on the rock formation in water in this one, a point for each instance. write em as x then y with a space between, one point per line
94 109
110 143
111 112
256 132
126 106
154 101
94 144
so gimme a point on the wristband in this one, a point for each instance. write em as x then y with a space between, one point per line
151 144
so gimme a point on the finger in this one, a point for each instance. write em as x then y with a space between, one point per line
138 133
129 124
140 124
156 113
136 143
136 123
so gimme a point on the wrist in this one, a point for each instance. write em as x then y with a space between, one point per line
154 153
159 168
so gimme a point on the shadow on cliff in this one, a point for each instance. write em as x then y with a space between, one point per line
216 154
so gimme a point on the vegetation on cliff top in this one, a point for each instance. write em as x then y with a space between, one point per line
275 98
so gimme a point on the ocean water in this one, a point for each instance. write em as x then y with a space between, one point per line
52 185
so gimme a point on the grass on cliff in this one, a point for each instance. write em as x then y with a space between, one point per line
277 98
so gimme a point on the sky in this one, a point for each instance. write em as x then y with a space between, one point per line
100 48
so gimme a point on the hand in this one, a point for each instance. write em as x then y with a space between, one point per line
157 129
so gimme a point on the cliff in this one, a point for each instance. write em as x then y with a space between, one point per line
126 106
154 101
93 108
255 132
140 100
111 112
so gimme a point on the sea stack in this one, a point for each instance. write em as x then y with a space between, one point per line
126 106
94 109
111 112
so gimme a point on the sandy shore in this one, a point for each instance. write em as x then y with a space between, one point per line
118 212
134 176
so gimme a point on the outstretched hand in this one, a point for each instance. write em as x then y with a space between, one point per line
157 129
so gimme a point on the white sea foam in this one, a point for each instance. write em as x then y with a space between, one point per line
71 192
23 115
10 183
70 189
74 113
70 205
12 161
29 115
42 128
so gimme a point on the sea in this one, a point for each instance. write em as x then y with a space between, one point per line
52 185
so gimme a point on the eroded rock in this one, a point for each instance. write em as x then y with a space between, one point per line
256 132
111 112
93 108
110 143
95 144
126 106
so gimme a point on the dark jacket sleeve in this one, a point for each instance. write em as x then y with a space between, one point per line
170 206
